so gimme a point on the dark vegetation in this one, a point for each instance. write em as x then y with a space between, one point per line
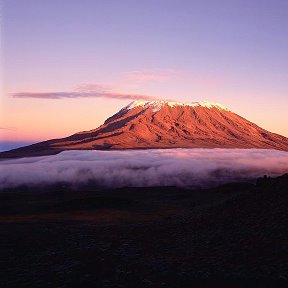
234 236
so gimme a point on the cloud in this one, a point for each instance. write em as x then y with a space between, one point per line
9 128
163 167
104 90
164 75
142 76
96 87
82 94
128 80
86 90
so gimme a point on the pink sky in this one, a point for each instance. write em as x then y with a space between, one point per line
56 68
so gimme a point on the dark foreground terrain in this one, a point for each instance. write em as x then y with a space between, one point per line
234 236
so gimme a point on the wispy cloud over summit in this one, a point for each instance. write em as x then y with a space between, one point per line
88 90
104 90
76 94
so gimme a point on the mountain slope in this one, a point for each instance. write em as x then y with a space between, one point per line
161 124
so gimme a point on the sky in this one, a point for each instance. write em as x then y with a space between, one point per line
68 65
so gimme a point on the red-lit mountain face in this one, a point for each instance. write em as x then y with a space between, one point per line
161 124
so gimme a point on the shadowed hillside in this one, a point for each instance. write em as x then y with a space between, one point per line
235 234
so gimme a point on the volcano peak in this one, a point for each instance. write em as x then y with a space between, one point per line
158 104
164 124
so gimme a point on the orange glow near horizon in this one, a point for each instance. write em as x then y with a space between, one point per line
39 120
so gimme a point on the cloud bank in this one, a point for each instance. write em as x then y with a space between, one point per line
140 168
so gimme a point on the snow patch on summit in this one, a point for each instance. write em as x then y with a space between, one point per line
157 105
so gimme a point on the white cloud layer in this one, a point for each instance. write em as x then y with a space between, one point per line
164 167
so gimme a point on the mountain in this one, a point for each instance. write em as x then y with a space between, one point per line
162 124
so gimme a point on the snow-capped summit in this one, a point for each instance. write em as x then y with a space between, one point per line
158 104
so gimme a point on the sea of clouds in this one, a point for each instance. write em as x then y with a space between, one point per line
139 168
